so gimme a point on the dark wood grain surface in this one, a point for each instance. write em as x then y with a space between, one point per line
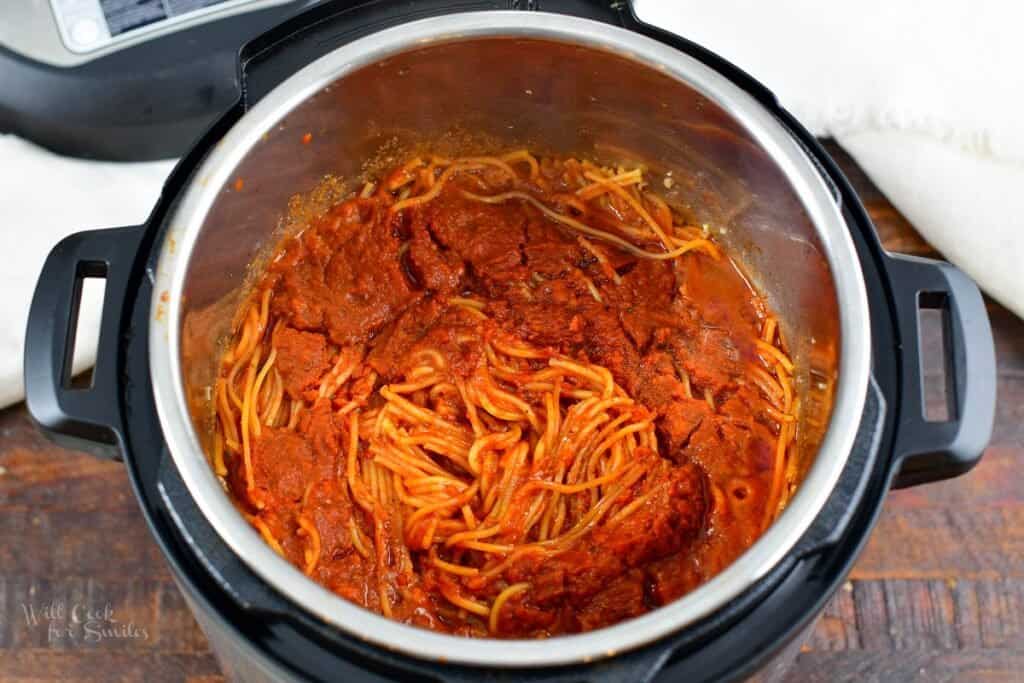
938 595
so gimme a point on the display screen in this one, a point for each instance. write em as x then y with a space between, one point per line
90 25
125 15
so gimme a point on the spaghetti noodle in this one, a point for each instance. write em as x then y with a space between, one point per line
506 396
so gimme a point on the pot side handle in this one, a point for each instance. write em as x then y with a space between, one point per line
84 418
925 450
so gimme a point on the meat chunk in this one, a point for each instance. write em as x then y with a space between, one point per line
623 598
607 344
432 325
670 518
320 430
595 580
436 270
678 421
365 293
661 389
389 350
281 463
486 236
329 508
345 279
302 359
548 253
714 361
542 314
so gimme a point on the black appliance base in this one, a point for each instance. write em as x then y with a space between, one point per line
266 633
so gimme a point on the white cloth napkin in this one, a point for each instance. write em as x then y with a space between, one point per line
43 198
926 96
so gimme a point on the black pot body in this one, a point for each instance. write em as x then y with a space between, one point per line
258 634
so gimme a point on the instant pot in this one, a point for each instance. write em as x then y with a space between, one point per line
346 82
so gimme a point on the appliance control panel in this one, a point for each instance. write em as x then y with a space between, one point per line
87 25
67 33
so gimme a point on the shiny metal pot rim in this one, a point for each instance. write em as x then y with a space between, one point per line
216 171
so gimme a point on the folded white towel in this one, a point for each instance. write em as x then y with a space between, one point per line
924 95
43 198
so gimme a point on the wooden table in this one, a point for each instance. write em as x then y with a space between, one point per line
938 594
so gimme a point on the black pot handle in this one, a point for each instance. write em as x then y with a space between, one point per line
926 450
87 418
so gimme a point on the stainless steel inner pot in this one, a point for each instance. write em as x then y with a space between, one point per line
556 84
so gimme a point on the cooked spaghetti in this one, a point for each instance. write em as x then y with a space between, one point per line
506 396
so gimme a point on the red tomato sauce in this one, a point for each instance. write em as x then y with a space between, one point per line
362 299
